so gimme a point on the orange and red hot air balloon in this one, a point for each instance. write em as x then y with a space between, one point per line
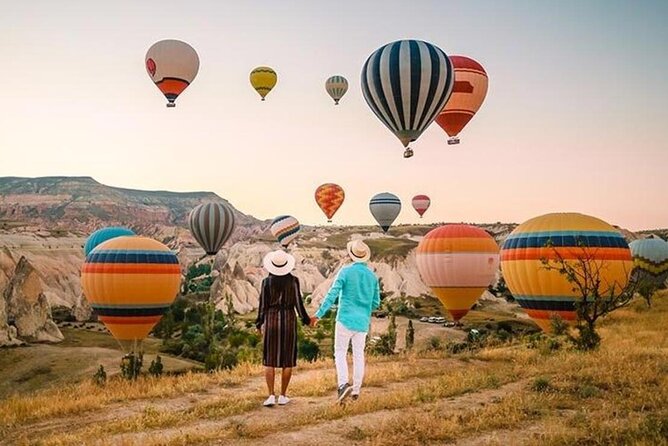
421 203
329 197
172 66
468 94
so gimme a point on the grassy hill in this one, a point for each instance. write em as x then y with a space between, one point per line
518 392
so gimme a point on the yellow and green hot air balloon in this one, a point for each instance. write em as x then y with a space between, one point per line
544 292
263 79
130 283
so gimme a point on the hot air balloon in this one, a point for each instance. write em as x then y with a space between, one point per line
458 263
385 208
329 197
467 96
263 79
102 235
650 261
336 87
406 84
130 283
285 228
421 204
544 292
211 224
172 65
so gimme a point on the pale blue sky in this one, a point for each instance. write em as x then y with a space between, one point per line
575 118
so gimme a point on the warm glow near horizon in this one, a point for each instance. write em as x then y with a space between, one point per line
575 118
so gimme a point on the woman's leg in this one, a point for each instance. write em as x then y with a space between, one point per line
269 373
286 374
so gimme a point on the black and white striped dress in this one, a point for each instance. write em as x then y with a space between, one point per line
280 302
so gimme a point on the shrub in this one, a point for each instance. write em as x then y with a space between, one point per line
156 367
541 385
131 365
100 377
308 350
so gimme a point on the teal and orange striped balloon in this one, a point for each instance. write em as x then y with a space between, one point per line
285 228
130 282
545 292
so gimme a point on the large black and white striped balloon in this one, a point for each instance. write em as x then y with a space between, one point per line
406 84
211 224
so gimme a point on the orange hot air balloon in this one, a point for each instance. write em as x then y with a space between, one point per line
172 66
130 282
468 95
458 262
329 197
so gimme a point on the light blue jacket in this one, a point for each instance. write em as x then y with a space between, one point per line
357 289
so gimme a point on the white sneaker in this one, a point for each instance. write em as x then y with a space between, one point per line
270 401
283 400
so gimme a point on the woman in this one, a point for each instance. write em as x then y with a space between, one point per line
280 298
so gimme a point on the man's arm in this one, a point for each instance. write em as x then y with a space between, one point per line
332 295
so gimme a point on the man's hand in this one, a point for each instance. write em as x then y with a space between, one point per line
314 321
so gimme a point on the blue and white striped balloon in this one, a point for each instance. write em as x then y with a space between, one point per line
336 87
285 228
406 84
385 208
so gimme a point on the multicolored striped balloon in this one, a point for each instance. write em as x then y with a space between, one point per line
172 65
544 292
421 203
458 262
385 208
211 224
467 97
102 235
406 84
285 228
650 260
130 282
263 80
329 197
336 87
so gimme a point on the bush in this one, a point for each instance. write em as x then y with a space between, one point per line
229 360
434 343
100 377
308 350
156 367
541 385
131 365
382 346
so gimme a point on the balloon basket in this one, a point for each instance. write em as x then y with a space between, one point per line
452 141
408 153
171 105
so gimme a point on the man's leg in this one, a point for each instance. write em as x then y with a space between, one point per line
358 341
341 341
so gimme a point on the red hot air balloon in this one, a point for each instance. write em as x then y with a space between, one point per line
421 204
329 197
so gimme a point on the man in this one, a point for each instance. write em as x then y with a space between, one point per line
358 292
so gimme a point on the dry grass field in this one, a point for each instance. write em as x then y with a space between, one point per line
514 393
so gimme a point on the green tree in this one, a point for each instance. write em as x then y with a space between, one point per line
410 335
156 367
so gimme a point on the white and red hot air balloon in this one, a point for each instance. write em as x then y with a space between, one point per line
421 204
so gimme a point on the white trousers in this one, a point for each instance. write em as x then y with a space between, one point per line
342 338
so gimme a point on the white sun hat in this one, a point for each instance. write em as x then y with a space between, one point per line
278 263
359 251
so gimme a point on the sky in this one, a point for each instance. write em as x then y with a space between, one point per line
575 118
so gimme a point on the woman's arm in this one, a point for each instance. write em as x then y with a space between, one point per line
301 310
263 304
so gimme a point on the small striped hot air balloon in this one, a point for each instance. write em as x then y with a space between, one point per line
650 261
385 208
336 87
211 224
544 292
102 235
406 84
263 80
130 282
421 204
329 197
285 228
467 96
458 263
172 66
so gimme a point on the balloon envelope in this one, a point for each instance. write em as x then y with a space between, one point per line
211 224
543 292
285 228
172 66
406 84
329 197
130 283
458 263
385 208
650 260
336 87
263 80
421 203
102 235
467 96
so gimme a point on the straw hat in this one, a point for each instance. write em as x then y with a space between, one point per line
359 251
278 263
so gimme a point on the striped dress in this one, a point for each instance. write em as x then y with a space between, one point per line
280 301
